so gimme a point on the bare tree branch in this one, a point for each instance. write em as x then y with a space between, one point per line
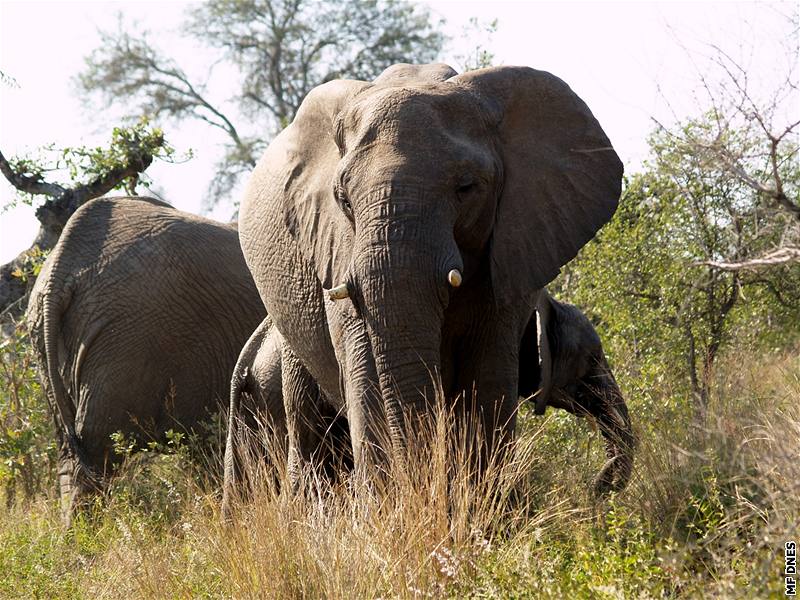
30 184
781 256
281 49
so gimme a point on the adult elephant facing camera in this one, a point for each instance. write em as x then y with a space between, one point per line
404 228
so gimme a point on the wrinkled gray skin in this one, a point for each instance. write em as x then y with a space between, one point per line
501 173
562 364
257 421
138 317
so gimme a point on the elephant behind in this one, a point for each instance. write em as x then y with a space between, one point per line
137 317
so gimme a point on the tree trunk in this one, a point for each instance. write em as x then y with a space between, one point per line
14 290
699 394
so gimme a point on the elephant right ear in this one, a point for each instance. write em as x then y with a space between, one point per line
299 168
562 178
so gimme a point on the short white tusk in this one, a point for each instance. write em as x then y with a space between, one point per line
340 292
454 278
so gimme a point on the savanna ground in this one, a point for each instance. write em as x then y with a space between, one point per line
706 514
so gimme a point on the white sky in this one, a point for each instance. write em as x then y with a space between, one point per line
628 61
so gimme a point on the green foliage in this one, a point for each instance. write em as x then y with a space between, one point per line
625 277
31 264
477 36
128 145
153 480
82 166
617 557
36 559
27 441
661 310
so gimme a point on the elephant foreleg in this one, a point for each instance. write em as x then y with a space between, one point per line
490 400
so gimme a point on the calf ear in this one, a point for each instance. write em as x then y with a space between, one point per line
535 356
544 316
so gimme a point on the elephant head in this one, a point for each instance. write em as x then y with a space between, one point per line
396 197
562 364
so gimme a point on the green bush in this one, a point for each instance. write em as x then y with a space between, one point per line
27 438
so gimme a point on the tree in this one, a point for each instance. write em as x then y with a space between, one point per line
477 36
649 282
280 50
92 172
750 135
705 246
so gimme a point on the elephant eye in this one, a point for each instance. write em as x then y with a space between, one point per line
344 201
466 187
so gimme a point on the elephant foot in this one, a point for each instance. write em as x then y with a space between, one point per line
78 485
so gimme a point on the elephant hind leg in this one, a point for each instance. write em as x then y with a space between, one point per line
78 485
66 487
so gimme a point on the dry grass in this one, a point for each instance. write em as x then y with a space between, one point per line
706 515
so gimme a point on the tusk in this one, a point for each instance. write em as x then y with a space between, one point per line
340 292
454 278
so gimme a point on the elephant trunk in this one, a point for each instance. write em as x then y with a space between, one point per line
406 342
407 372
403 294
614 422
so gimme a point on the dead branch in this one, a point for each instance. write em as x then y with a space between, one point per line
781 256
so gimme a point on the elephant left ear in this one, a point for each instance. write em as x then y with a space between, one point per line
562 178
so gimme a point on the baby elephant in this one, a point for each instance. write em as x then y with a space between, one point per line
257 426
562 364
137 317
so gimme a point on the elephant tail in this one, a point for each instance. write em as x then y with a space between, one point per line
234 461
62 403
232 474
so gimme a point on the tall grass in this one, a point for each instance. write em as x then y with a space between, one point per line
706 515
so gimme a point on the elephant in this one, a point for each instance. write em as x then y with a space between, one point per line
257 421
562 364
137 317
400 232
